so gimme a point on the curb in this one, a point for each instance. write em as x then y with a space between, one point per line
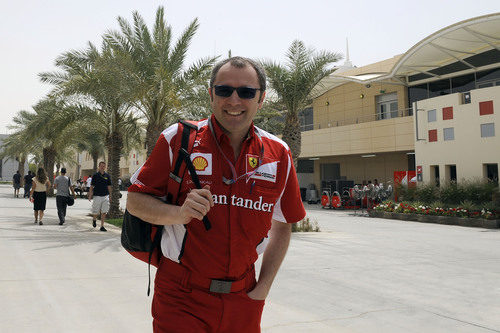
449 220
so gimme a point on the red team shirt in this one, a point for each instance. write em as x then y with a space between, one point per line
242 214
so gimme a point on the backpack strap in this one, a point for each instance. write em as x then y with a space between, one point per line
176 175
184 147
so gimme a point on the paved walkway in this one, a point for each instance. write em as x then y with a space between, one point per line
358 275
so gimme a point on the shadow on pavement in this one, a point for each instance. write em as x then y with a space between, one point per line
51 235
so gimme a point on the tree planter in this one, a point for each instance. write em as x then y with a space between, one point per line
449 220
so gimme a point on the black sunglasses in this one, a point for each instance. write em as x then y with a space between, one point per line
243 92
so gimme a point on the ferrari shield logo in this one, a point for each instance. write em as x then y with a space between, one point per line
252 161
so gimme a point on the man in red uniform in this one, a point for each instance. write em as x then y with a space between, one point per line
206 280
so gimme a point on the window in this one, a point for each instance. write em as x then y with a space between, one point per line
411 161
448 113
435 175
431 116
433 135
306 119
491 172
439 88
305 166
417 93
449 134
462 83
485 85
485 108
451 173
387 106
330 171
487 130
488 78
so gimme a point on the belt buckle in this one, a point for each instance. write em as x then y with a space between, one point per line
220 286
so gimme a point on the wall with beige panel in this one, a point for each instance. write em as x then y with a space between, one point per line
343 104
468 151
387 135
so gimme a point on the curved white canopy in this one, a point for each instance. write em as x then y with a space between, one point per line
449 45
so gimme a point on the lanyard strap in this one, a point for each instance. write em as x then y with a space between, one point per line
235 178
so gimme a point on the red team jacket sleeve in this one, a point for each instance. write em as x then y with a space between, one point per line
289 207
152 177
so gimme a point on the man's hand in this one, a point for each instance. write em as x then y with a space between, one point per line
279 238
197 204
258 295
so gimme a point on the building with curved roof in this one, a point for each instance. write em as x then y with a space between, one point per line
432 109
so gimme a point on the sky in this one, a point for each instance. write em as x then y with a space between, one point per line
34 32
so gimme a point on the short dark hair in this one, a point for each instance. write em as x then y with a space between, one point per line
63 170
241 62
102 162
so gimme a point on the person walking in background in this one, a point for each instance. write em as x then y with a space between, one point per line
63 186
16 182
28 180
88 183
38 194
100 189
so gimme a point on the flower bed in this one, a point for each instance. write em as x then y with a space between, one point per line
456 216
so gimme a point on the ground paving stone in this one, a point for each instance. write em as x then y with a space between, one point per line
358 274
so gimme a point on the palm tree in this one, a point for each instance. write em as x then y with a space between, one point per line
270 116
293 83
163 90
15 147
98 77
89 139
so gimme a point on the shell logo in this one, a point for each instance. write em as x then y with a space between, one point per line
200 163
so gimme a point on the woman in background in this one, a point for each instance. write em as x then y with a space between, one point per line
39 194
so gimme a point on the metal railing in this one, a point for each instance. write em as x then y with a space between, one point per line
408 112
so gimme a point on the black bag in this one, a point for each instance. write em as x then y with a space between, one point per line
70 201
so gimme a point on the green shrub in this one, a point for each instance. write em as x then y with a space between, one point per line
468 204
491 206
437 204
452 193
118 222
427 193
476 191
479 191
406 193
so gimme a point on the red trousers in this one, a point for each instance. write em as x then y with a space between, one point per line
183 303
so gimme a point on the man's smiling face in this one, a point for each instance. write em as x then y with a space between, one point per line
234 114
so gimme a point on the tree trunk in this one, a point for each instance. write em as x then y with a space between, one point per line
292 135
152 134
114 153
95 157
49 159
22 160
